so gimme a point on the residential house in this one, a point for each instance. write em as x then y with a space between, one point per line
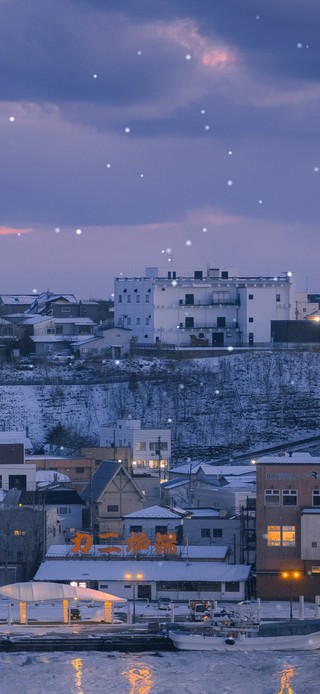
110 495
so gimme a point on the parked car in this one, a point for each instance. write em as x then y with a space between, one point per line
164 603
63 358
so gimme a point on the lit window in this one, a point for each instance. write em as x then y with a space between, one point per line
288 536
274 536
289 497
153 464
272 497
141 446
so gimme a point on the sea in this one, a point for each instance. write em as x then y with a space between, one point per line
160 673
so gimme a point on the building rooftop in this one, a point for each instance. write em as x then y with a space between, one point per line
289 459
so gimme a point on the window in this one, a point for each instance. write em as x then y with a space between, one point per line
129 299
278 298
232 587
274 536
162 529
79 469
289 497
17 481
112 508
288 536
147 298
153 464
63 510
138 299
148 320
205 532
189 322
285 536
141 446
221 322
217 532
314 544
189 299
141 463
156 445
135 528
250 319
66 309
0 481
138 321
19 555
250 296
316 497
272 497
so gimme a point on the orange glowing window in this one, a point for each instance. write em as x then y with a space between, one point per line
288 536
274 536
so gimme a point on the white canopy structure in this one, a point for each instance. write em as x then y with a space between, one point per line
37 591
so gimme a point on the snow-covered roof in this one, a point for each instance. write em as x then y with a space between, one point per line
196 552
156 570
75 321
290 459
305 511
32 319
156 512
51 338
212 470
16 437
17 299
203 512
37 591
45 477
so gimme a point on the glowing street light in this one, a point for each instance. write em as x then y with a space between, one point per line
291 576
134 580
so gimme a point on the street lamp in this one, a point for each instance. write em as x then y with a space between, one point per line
291 576
134 580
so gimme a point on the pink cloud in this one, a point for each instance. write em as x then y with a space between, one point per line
216 57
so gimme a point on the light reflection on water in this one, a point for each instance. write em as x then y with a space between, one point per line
286 676
77 664
140 678
160 673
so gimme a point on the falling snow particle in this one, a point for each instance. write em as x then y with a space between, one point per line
34 291
188 243
12 119
204 229
207 127
139 52
202 112
188 56
168 250
57 230
316 169
257 16
141 175
108 166
127 130
18 234
260 202
230 183
78 232
230 151
95 76
299 45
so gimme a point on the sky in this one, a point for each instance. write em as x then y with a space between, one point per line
182 134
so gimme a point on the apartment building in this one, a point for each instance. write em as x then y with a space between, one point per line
150 448
288 526
213 309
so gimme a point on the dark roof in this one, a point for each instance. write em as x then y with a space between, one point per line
99 481
51 497
102 477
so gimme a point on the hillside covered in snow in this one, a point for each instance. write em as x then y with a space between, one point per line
214 406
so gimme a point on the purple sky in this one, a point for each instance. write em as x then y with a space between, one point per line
177 133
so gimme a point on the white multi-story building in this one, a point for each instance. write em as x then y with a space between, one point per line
209 309
150 448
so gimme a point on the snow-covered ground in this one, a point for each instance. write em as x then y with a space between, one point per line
212 405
